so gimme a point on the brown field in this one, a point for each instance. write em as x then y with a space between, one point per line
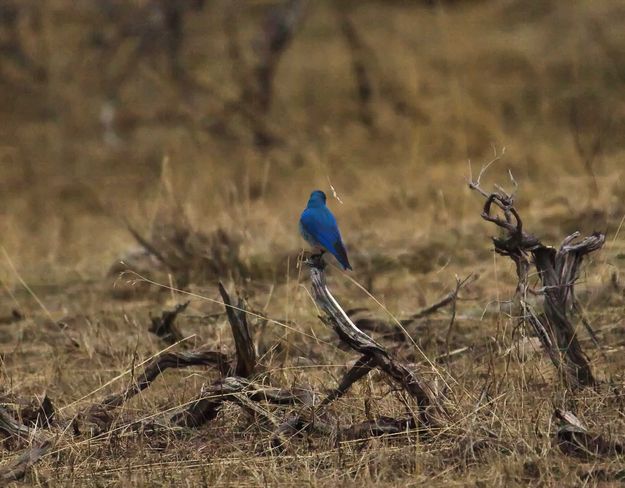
100 131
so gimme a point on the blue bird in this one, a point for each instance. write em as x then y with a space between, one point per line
318 227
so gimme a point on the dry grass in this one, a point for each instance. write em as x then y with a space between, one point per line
475 75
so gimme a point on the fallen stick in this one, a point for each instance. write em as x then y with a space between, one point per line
378 427
238 386
35 412
16 470
10 427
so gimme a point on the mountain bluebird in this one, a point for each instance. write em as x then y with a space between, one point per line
318 227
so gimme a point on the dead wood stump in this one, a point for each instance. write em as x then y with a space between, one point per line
558 270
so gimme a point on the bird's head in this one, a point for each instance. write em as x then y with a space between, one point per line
317 199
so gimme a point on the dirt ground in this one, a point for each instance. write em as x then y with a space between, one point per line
103 133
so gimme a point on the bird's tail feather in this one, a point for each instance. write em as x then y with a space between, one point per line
341 254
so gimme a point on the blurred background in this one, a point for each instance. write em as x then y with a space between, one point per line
219 117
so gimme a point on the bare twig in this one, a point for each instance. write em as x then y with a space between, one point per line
398 332
431 414
476 184
37 412
451 297
148 246
295 423
454 303
379 427
18 468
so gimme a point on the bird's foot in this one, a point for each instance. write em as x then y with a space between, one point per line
316 260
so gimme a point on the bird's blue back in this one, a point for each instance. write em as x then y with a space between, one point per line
318 226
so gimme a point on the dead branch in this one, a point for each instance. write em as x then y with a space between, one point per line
595 131
152 26
256 81
580 312
165 326
306 421
203 409
574 439
238 390
378 427
374 356
259 393
277 33
431 412
148 246
16 45
198 357
237 316
10 428
370 78
558 271
185 252
264 133
208 404
454 308
32 412
360 369
39 414
360 72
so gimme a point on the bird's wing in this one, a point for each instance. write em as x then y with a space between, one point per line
321 225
